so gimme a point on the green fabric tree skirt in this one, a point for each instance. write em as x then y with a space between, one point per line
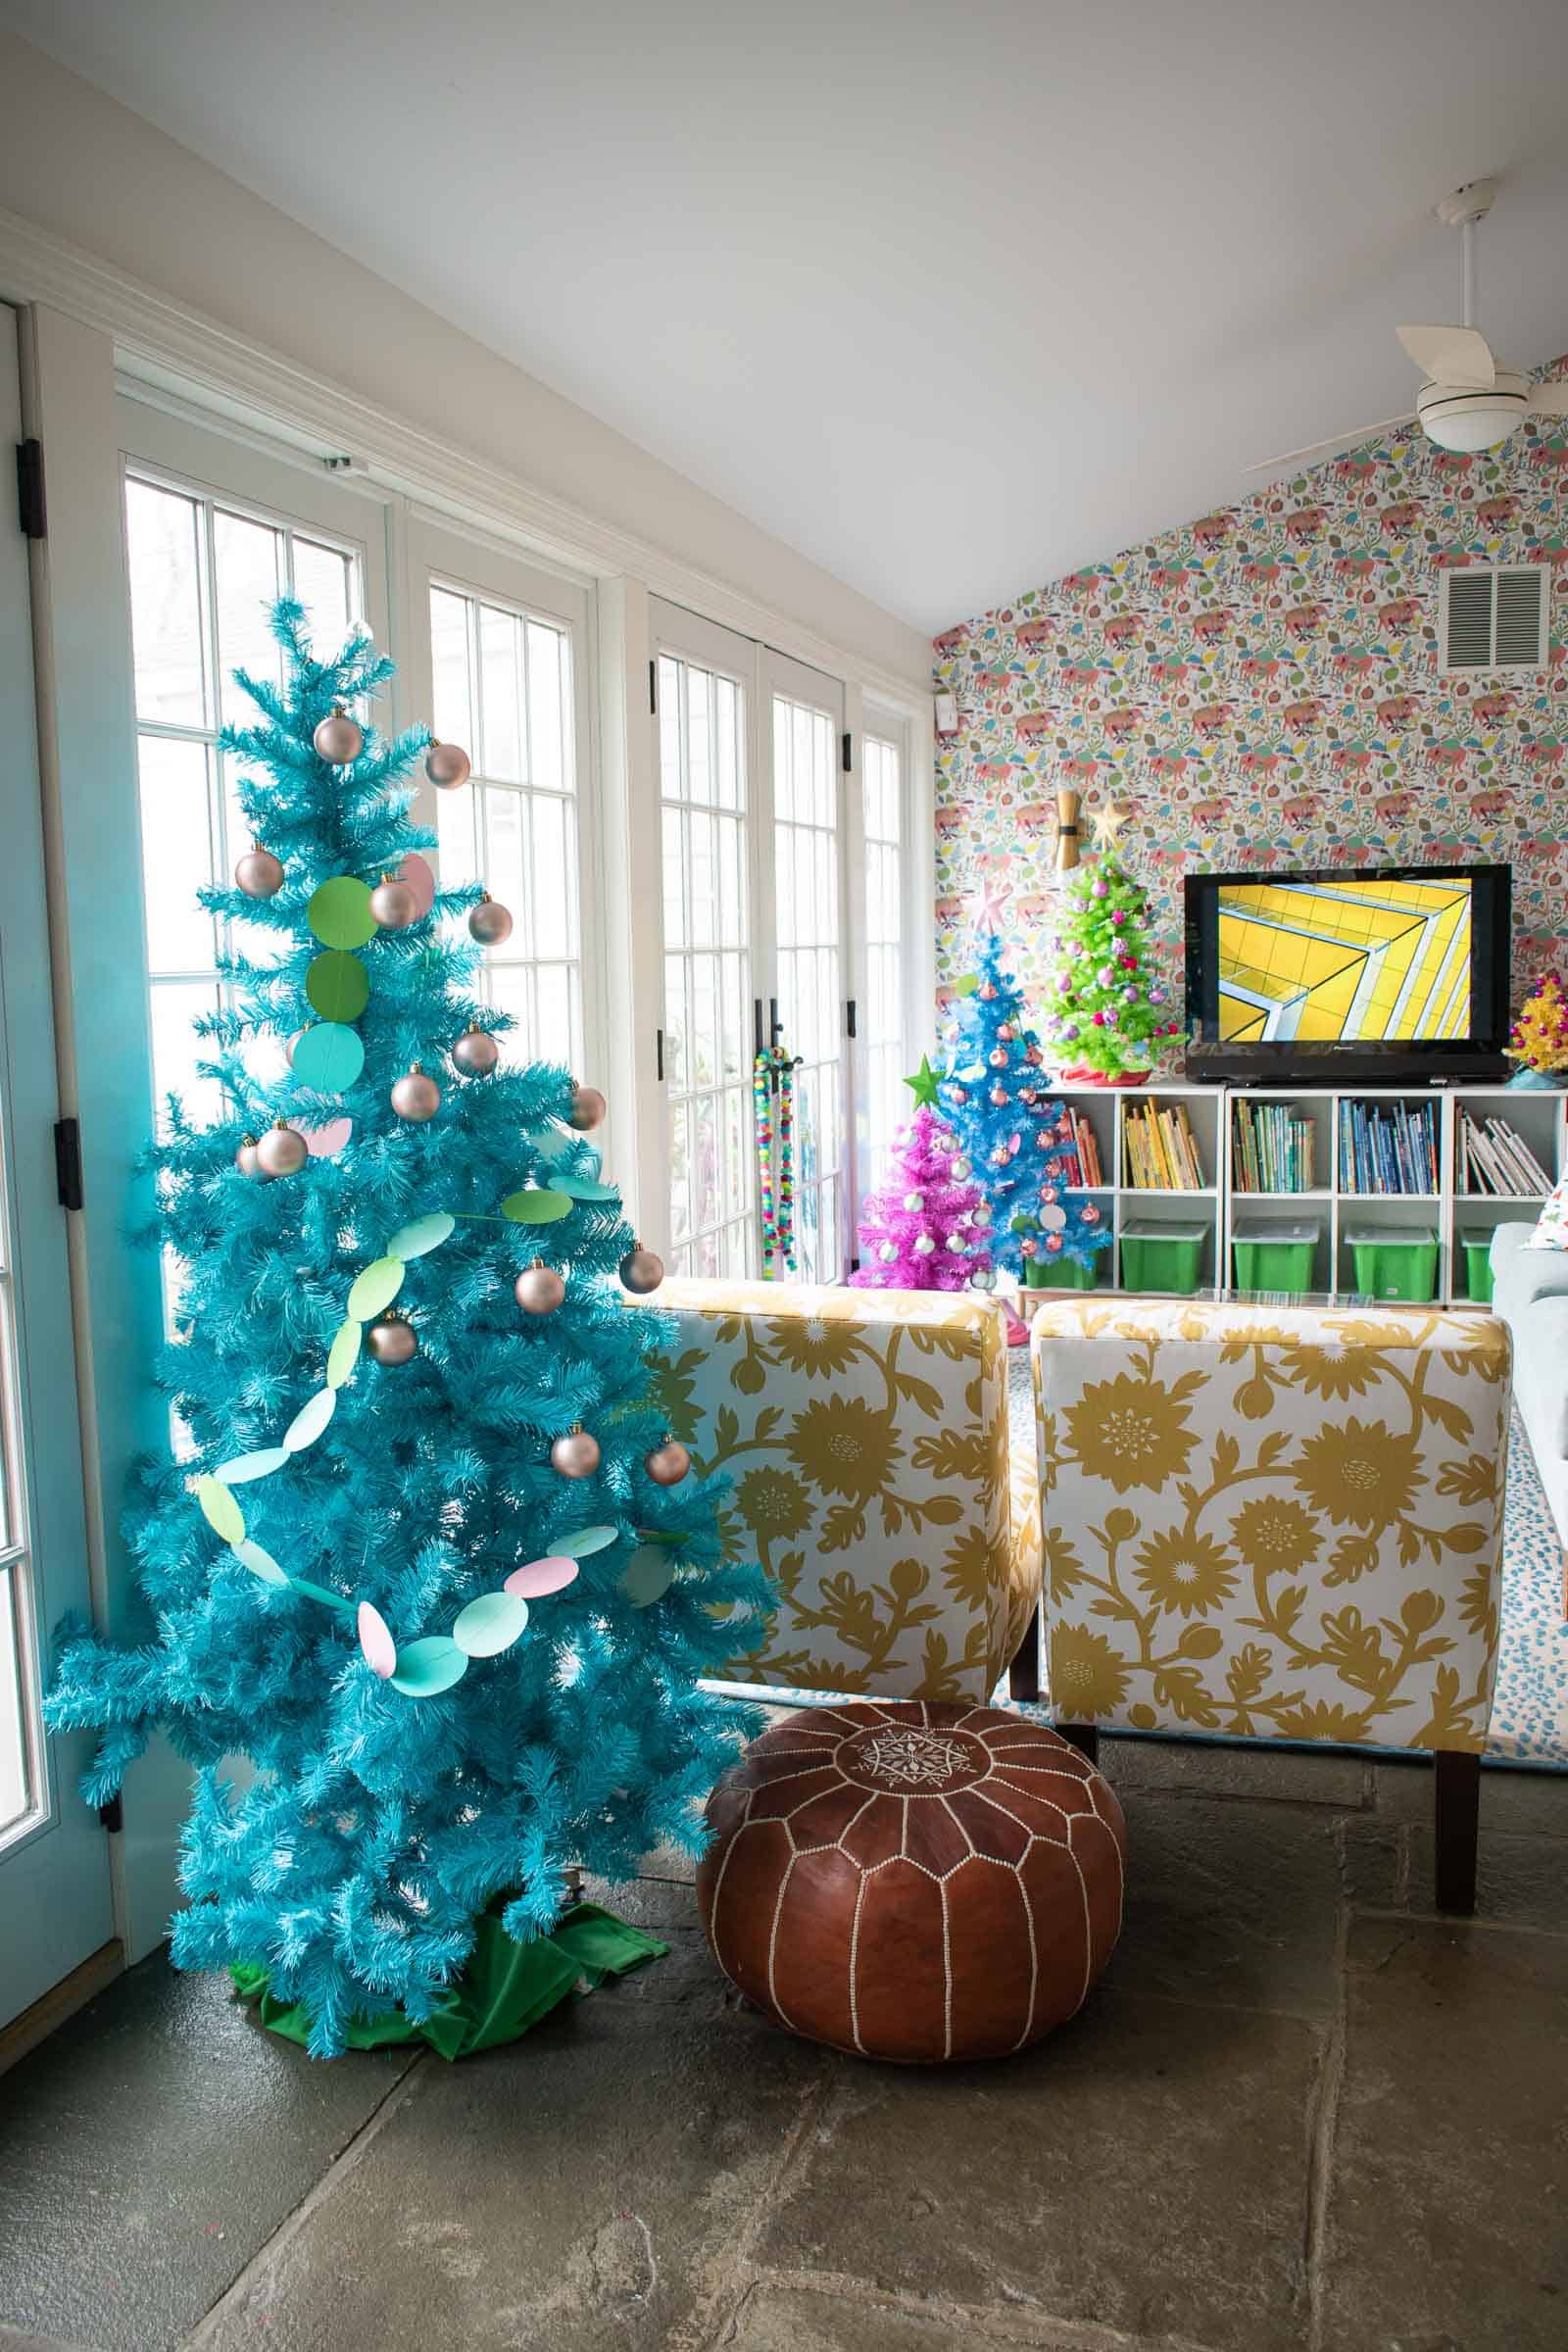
506 1989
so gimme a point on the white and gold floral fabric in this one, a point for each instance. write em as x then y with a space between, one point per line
864 1433
1283 1524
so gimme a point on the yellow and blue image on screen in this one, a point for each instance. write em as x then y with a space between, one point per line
1344 959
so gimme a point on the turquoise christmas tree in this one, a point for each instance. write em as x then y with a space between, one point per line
429 1557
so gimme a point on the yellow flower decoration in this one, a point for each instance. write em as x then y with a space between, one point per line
1331 1369
1130 1431
1273 1533
1087 1677
812 1344
772 1504
1181 1569
1321 1719
1361 1475
841 1447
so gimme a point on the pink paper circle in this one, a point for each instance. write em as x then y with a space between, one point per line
416 873
376 1639
323 1141
538 1577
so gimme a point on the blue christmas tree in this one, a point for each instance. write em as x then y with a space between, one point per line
414 1408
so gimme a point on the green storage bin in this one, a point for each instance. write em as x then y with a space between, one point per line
1395 1261
1276 1257
1047 1274
1477 1247
1163 1258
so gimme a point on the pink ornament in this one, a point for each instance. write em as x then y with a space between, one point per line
1102 890
1105 975
1053 1242
1028 1248
960 1094
1091 1215
987 992
1100 1020
1047 1194
1129 964
1157 996
1117 915
1014 1143
1033 1057
998 1057
1006 1032
1043 1141
1065 983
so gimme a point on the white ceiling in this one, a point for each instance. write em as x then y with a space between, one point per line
951 297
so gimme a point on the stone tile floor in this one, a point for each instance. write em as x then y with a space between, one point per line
1300 2114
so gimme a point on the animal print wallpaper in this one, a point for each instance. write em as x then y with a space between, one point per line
1259 689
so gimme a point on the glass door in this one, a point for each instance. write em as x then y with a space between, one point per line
55 1905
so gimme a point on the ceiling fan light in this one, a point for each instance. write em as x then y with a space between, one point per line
1470 421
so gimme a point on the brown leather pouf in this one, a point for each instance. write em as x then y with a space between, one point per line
913 1881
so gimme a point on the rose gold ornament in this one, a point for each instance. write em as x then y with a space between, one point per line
248 1162
415 1096
489 922
576 1456
476 1052
998 1057
1000 1096
390 1340
588 1109
259 875
1006 1032
640 1271
339 738
667 1464
394 904
1028 1248
281 1150
447 765
987 991
539 1288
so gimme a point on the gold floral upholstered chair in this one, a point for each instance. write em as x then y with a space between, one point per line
1279 1524
865 1437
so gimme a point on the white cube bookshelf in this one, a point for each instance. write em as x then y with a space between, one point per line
1228 1211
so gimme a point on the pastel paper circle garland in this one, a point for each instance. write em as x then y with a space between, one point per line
773 1113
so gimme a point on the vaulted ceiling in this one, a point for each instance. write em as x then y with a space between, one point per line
951 298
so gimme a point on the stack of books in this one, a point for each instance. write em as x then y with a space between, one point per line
1387 1147
1271 1149
1076 1147
1159 1147
1493 1158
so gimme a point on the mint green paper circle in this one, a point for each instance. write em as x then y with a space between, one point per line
310 1421
339 912
583 1188
328 1057
422 1234
375 1287
490 1624
536 1205
587 1539
650 1573
344 1352
246 1466
260 1563
337 985
429 1665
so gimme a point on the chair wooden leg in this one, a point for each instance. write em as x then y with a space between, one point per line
1455 1813
1023 1671
1084 1737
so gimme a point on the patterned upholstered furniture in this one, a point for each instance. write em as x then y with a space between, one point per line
1281 1523
865 1435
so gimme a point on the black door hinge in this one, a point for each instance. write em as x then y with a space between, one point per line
67 1163
849 762
112 1815
659 1053
849 1019
653 689
29 488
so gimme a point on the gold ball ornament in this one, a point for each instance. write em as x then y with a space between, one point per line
475 1051
391 1340
667 1464
447 765
339 738
281 1150
539 1288
576 1456
489 922
588 1109
416 1095
248 1162
640 1271
394 904
259 875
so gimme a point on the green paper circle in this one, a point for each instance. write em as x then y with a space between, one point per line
344 1352
421 1235
585 1540
321 1592
967 985
246 1466
429 1665
310 1421
337 985
339 912
580 1187
260 1563
220 1511
650 1573
328 1057
537 1206
375 1288
490 1624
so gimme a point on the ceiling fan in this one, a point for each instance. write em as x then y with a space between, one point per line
1467 403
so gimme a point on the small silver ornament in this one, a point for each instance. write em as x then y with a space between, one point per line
339 738
415 1096
391 1340
640 1271
259 875
588 1109
476 1052
915 1203
576 1456
667 1464
248 1162
887 1251
394 904
539 1288
923 1244
489 922
982 1279
281 1150
960 1169
447 765
980 1214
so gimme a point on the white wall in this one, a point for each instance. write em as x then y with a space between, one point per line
88 169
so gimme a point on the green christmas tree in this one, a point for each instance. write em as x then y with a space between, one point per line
1109 1014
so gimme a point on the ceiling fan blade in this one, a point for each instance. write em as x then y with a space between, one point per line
1459 355
1313 449
1550 399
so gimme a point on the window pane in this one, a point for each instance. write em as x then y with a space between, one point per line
510 986
162 535
501 696
176 1005
13 1745
675 863
555 875
452 717
176 854
548 765
505 876
556 990
322 583
245 584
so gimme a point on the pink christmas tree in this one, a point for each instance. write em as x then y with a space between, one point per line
924 1229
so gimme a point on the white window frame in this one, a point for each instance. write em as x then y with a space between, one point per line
886 725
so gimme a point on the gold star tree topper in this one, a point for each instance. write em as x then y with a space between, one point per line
1107 823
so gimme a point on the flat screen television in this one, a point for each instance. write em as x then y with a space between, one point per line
1357 975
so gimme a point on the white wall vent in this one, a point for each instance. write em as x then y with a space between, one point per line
1494 617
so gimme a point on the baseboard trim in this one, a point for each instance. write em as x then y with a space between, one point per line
62 2001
